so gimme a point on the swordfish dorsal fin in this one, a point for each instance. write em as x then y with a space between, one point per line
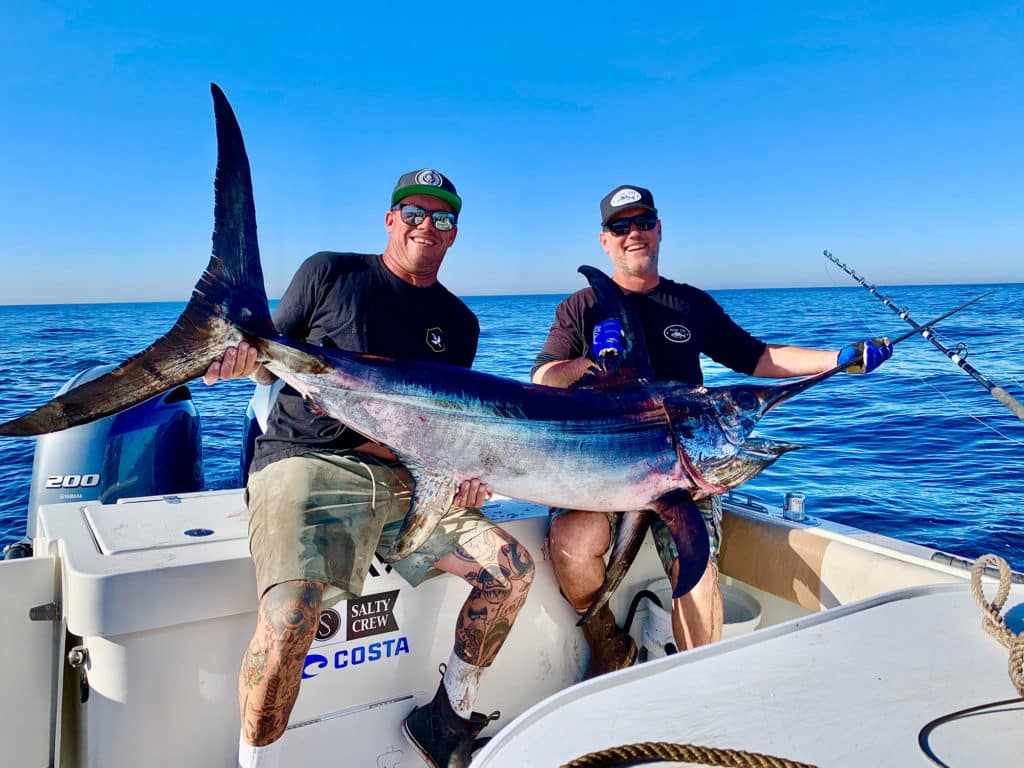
228 304
612 303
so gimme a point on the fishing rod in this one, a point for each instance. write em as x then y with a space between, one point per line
958 355
810 381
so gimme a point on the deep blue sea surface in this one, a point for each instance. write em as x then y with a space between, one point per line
918 450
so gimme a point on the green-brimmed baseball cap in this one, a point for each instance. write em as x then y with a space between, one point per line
427 181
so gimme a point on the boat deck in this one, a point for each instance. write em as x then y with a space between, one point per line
849 687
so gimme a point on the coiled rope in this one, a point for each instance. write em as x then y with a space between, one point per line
993 622
660 751
994 625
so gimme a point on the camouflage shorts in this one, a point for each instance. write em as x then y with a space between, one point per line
322 516
711 511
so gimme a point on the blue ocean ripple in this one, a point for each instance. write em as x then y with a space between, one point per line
916 450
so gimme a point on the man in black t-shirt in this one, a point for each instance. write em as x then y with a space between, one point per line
323 498
680 323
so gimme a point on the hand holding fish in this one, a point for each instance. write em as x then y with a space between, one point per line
472 493
238 363
564 373
865 356
608 344
607 338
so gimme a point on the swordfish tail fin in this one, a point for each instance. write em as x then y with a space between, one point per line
229 304
232 286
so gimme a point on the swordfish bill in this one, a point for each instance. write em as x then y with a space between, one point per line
629 447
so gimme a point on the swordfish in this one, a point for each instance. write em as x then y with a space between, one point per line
634 446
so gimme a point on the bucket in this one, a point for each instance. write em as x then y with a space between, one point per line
742 614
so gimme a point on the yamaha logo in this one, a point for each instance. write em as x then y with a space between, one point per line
435 339
624 197
430 177
677 334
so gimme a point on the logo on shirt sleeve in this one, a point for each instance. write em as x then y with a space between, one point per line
435 339
677 334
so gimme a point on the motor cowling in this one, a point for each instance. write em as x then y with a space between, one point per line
152 449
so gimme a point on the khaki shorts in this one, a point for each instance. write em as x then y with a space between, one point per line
711 511
321 516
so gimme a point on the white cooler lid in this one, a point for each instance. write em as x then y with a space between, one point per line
157 523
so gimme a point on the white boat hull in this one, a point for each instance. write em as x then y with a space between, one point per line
161 618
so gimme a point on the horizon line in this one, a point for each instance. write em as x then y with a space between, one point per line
515 295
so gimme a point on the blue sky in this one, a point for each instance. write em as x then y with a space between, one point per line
887 133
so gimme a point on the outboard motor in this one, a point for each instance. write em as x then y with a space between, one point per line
152 449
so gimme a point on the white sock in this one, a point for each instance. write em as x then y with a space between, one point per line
267 756
462 681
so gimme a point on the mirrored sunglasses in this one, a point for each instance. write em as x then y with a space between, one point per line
413 215
643 221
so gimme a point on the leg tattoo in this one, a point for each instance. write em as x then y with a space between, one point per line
501 577
268 683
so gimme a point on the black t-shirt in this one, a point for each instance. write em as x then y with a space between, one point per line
351 301
680 322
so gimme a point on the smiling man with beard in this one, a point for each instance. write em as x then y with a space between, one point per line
680 323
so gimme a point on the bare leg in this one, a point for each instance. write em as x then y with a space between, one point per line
577 542
500 570
697 616
268 683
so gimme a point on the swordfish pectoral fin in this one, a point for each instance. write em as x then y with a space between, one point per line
630 535
431 499
690 535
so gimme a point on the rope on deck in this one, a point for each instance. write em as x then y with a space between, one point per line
660 751
993 622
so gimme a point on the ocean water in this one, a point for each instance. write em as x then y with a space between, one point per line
917 450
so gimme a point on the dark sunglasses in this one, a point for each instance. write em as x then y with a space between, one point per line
413 215
643 221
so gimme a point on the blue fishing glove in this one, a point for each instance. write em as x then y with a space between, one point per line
865 356
608 339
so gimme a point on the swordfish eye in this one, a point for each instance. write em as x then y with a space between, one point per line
746 399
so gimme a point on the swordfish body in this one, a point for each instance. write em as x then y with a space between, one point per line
636 447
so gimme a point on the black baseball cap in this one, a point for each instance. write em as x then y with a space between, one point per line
624 197
427 181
